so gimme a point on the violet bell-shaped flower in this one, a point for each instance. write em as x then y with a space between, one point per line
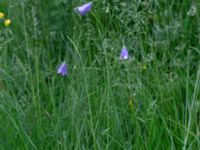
124 53
62 69
82 10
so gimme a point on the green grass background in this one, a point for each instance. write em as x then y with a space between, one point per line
103 103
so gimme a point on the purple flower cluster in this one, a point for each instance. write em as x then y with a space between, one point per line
83 10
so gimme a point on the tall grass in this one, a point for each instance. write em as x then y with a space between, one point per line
150 101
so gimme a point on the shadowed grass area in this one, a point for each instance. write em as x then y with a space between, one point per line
150 101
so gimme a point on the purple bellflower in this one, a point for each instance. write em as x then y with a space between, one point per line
62 69
82 10
124 53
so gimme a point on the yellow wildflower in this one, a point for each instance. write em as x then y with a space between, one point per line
1 15
7 22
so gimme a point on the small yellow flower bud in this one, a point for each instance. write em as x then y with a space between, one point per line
144 67
7 22
1 15
131 105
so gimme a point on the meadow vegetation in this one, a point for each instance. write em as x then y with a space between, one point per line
151 101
